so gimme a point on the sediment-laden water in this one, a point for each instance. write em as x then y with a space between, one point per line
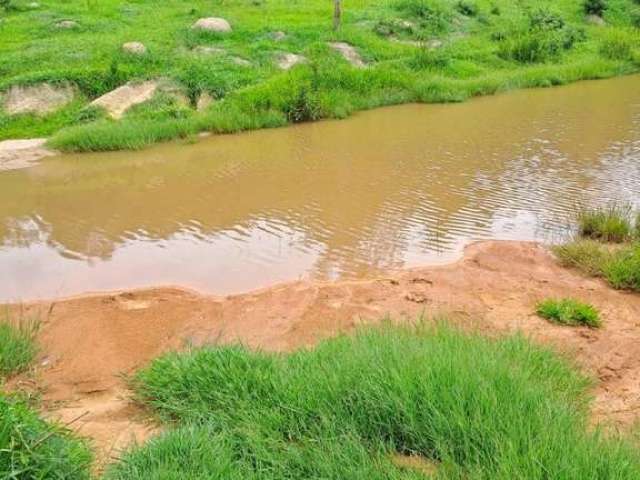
389 188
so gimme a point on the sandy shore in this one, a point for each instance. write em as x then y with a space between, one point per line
89 342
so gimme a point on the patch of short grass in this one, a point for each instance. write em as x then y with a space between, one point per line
622 271
17 344
471 406
31 448
568 311
612 223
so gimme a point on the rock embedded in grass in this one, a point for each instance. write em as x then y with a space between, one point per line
595 20
213 24
242 62
278 36
349 53
118 101
66 24
205 50
204 101
134 48
39 99
288 60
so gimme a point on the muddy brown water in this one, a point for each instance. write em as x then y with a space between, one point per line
385 189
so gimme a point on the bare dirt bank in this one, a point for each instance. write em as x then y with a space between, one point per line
89 342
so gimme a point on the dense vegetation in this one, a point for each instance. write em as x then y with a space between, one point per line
31 448
608 246
465 406
416 50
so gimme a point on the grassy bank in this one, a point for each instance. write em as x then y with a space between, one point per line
607 246
415 50
457 405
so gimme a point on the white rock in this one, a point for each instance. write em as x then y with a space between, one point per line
15 154
349 53
213 24
205 50
204 101
288 60
41 98
241 61
66 24
134 48
118 101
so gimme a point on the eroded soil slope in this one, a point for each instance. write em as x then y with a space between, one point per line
89 342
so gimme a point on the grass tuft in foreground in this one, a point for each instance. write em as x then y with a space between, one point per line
17 345
31 448
469 406
568 311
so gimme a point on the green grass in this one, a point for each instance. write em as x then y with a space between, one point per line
31 448
17 345
472 407
612 223
568 311
608 246
488 46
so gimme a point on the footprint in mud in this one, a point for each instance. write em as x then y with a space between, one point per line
127 301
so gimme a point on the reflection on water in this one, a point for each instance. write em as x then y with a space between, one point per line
389 188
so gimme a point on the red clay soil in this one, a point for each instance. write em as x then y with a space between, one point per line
89 342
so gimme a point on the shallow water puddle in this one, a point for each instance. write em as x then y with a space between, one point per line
389 188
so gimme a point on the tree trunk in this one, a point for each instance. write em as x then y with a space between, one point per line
337 14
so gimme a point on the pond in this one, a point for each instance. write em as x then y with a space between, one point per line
386 189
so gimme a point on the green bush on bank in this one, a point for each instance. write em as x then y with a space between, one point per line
469 406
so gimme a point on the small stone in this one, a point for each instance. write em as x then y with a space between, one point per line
204 101
33 5
241 61
288 60
278 36
596 20
66 24
134 48
204 50
349 53
213 24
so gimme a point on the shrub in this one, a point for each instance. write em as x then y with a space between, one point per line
305 106
475 407
17 345
594 7
31 448
431 15
618 45
569 312
531 47
6 4
622 271
609 224
467 8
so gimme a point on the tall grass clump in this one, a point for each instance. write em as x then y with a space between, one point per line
17 344
609 224
622 271
470 406
31 448
568 311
